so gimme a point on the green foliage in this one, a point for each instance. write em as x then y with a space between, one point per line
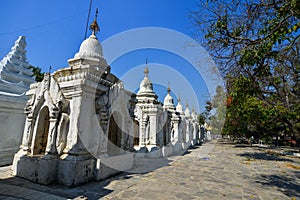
219 105
37 72
205 116
214 114
201 119
240 33
247 115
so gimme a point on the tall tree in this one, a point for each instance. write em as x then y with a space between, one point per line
256 44
205 116
219 110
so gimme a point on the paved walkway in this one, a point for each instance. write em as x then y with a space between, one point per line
212 171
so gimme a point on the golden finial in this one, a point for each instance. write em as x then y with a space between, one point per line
193 109
94 26
169 89
187 103
179 99
146 70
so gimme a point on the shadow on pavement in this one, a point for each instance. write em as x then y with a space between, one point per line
243 146
27 188
264 156
146 165
286 183
188 151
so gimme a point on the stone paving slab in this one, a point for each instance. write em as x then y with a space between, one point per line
212 171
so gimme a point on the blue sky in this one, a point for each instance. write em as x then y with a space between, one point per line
55 29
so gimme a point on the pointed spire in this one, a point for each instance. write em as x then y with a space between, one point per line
169 89
179 99
50 68
179 106
187 112
146 70
94 26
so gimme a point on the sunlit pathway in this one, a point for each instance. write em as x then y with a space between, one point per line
212 171
227 172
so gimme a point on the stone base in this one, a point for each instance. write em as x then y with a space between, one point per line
167 150
37 169
186 145
154 152
69 170
114 164
177 147
141 152
75 170
45 169
193 142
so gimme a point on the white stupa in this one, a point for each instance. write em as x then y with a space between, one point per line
194 114
146 92
187 111
15 77
179 108
168 101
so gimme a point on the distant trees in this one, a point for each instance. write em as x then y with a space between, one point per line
215 110
205 116
256 45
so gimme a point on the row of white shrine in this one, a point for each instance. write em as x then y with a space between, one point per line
82 124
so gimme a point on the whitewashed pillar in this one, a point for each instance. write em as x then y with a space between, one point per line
153 128
52 135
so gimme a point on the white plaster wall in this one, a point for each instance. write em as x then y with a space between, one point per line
89 128
12 120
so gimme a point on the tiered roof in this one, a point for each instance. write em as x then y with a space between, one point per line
15 76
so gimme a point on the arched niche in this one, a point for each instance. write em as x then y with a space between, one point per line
115 134
136 138
41 135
